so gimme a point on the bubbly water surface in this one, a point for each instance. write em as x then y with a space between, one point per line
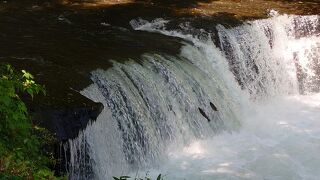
279 139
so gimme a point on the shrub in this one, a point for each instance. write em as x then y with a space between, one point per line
20 144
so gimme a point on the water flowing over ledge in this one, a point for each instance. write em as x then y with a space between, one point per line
242 109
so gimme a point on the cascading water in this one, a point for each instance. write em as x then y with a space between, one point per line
228 112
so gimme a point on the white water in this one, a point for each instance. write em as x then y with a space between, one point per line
151 121
278 140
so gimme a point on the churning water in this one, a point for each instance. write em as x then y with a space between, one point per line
278 140
248 109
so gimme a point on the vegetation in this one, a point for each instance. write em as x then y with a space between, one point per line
21 141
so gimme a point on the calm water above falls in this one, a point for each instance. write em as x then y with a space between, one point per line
160 115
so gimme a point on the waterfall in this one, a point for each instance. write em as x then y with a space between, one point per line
264 55
159 103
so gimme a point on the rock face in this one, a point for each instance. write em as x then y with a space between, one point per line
66 122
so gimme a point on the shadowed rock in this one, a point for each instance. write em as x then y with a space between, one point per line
213 106
204 114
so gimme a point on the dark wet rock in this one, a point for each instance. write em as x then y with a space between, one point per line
308 28
67 122
213 107
204 114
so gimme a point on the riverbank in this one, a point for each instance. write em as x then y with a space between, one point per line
240 9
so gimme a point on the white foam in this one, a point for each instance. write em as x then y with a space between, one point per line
279 140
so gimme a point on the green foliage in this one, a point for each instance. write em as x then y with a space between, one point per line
128 177
21 141
15 123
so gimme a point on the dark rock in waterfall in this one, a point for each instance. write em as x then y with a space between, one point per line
67 122
213 107
204 114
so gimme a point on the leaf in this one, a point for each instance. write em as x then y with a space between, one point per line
27 75
124 177
159 177
115 178
30 92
